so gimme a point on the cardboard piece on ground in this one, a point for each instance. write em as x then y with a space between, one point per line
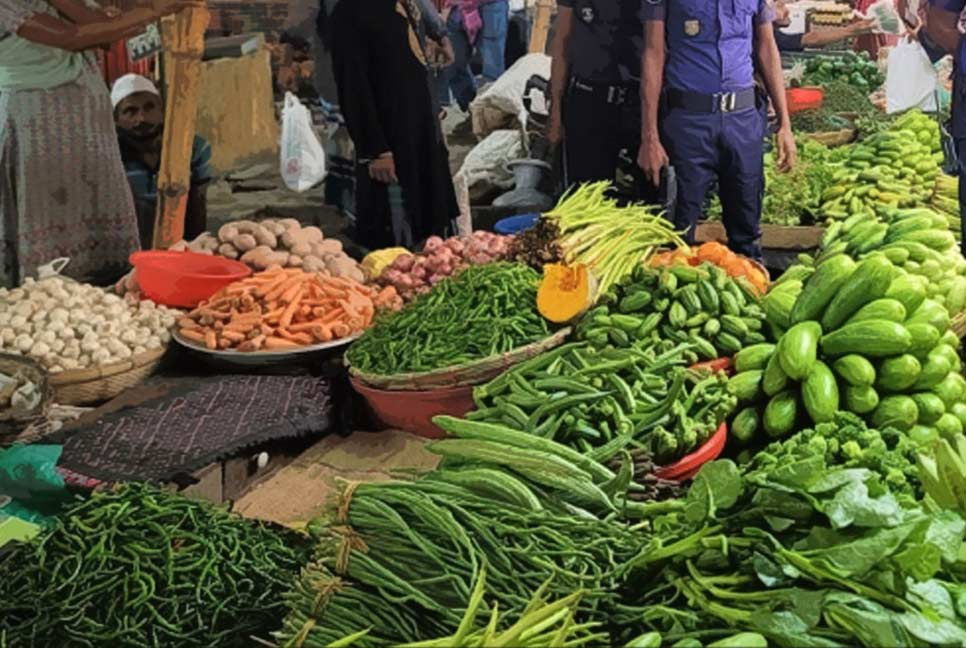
301 490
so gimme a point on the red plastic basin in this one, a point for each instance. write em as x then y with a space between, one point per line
184 279
800 99
413 411
721 364
689 465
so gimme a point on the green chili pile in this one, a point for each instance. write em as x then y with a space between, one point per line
402 558
143 567
483 311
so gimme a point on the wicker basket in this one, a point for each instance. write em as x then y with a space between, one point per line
834 138
958 324
472 373
12 365
98 384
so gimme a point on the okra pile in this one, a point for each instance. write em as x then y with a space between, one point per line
701 306
141 567
600 400
483 311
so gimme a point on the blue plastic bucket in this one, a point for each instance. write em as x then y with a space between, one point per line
516 224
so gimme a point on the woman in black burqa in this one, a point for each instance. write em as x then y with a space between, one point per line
404 190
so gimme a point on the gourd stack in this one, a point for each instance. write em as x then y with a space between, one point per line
858 336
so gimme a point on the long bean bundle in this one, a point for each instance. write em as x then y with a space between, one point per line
543 624
402 559
610 239
143 567
483 311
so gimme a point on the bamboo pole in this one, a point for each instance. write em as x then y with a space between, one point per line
541 26
183 38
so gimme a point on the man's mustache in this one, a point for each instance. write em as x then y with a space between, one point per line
145 131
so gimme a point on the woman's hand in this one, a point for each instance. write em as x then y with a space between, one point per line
383 169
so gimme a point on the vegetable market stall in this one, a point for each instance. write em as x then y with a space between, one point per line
602 485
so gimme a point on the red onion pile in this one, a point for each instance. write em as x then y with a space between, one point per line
415 274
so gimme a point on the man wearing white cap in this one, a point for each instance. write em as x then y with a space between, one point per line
139 116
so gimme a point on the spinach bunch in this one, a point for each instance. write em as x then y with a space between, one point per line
805 550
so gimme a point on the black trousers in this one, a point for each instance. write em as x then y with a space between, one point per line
596 132
959 137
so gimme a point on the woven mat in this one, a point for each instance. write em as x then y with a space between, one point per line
194 423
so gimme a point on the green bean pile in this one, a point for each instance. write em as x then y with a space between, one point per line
483 311
143 567
404 560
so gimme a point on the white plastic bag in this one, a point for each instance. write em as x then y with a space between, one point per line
911 79
886 17
302 157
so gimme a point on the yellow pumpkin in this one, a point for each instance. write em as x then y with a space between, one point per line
566 292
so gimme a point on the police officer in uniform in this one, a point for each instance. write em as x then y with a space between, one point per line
595 87
945 32
698 77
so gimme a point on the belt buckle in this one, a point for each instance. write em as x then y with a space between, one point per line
727 101
616 94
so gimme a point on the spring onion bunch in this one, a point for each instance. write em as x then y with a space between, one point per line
608 238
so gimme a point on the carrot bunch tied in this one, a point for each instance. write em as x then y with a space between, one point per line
735 265
284 309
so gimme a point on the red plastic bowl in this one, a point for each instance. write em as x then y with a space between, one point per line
413 411
689 465
184 279
800 99
721 364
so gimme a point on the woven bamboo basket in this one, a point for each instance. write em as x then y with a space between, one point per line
97 384
12 365
834 138
959 325
472 373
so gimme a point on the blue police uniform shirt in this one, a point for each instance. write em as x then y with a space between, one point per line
955 6
709 42
606 41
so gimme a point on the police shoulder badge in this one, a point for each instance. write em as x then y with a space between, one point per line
692 27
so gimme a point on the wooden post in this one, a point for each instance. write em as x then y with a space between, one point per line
183 36
541 26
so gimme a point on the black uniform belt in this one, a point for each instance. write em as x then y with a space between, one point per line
723 102
616 94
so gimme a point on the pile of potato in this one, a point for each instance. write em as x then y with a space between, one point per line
67 325
282 242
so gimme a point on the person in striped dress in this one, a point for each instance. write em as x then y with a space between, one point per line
63 192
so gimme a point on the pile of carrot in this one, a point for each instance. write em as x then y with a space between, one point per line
735 265
285 309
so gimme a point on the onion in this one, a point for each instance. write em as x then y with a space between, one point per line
455 245
404 262
433 243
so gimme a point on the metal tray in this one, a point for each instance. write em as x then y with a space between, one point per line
261 358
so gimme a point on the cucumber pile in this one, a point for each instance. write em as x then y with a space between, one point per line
859 336
699 305
895 168
918 240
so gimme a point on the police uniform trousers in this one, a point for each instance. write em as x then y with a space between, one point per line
725 146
